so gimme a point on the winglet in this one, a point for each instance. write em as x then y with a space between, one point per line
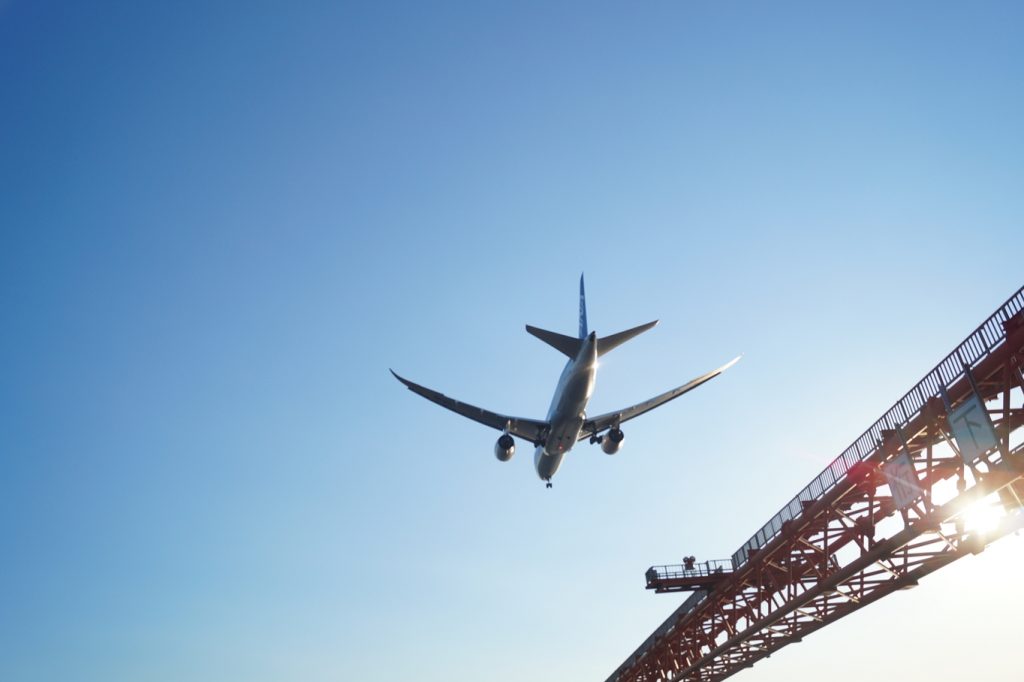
583 310
404 381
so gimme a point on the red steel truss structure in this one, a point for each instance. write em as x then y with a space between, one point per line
864 527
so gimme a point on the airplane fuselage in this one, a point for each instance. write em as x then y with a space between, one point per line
567 413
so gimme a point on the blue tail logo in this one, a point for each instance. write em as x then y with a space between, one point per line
583 310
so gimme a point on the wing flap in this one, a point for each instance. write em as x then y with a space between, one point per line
532 430
597 424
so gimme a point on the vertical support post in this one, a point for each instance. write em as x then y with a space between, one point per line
928 492
1004 445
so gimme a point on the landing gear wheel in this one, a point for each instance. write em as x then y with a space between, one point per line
548 484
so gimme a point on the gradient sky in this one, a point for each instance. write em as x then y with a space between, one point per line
223 222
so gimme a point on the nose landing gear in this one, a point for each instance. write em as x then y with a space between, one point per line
548 484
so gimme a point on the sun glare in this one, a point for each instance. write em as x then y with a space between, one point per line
983 516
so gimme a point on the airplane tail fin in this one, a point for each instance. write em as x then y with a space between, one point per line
615 340
561 342
583 310
570 346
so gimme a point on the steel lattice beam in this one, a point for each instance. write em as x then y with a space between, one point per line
851 544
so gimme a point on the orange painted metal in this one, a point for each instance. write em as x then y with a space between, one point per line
842 542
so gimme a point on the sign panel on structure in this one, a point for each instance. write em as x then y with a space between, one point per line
902 480
972 429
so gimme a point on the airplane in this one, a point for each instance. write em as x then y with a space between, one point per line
567 421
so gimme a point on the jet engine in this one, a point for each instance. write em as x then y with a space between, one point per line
505 448
612 441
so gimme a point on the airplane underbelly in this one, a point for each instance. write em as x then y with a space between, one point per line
566 418
560 440
546 464
562 437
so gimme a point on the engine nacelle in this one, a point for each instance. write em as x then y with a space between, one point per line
612 441
505 448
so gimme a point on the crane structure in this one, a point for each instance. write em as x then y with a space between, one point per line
940 475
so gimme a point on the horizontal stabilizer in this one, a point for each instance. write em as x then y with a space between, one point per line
615 340
561 342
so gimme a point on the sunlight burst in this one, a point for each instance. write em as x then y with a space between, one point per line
983 516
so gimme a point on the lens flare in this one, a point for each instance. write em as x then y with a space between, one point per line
983 517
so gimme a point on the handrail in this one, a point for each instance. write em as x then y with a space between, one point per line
697 569
980 343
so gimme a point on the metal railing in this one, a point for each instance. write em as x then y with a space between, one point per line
696 569
979 344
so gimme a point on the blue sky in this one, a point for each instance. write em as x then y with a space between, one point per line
223 223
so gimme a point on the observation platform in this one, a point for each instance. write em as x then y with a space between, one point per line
689 576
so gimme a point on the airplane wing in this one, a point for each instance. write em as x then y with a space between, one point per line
532 430
595 425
